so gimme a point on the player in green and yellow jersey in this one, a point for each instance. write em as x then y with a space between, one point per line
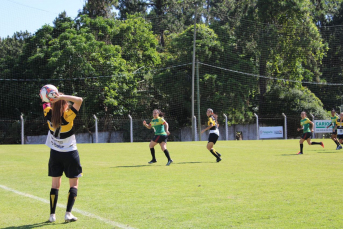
161 129
214 133
334 118
307 132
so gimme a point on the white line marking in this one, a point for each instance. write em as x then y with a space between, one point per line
74 209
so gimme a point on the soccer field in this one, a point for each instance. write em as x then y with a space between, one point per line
258 184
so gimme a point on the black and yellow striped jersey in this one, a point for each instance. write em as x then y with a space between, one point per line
212 120
339 123
67 127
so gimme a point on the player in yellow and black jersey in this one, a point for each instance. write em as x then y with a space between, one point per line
214 133
339 128
334 118
307 132
64 156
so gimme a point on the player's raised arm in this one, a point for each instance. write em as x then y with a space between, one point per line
75 99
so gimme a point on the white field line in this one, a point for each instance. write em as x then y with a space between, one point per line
74 209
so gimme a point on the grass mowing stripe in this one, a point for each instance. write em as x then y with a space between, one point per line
63 206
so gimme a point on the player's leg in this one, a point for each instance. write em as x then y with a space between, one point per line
152 150
73 183
209 146
212 139
166 152
335 139
73 170
55 172
55 186
301 145
314 143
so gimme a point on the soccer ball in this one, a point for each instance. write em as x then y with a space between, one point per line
47 92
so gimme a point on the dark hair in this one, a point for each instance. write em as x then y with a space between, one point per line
57 112
160 113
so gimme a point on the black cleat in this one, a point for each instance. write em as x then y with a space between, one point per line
169 162
152 161
219 159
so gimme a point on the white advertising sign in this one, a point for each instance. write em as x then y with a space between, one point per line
320 126
271 132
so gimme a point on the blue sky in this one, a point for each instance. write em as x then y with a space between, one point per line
30 15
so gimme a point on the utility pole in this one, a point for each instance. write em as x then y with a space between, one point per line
193 72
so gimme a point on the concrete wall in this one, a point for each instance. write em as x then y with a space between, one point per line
249 133
103 137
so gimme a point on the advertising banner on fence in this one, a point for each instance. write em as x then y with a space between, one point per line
271 132
320 126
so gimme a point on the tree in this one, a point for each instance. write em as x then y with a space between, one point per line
286 45
98 8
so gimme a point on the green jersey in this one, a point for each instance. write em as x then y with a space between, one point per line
305 123
333 121
158 125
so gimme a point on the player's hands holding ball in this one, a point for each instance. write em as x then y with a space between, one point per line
57 96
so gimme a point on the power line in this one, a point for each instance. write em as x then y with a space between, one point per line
32 7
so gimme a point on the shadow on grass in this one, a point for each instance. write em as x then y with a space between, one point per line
178 163
35 225
291 154
328 152
133 166
196 162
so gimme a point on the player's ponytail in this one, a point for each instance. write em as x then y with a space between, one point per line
57 111
215 117
160 113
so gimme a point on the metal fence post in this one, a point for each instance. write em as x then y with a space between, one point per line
314 133
226 128
22 128
195 128
131 129
96 129
285 124
257 132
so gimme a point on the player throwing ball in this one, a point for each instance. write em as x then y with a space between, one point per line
214 133
307 133
64 156
161 129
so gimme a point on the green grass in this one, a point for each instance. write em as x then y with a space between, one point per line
258 184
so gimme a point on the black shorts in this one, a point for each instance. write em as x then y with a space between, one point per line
340 136
306 135
334 132
213 138
160 138
67 162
